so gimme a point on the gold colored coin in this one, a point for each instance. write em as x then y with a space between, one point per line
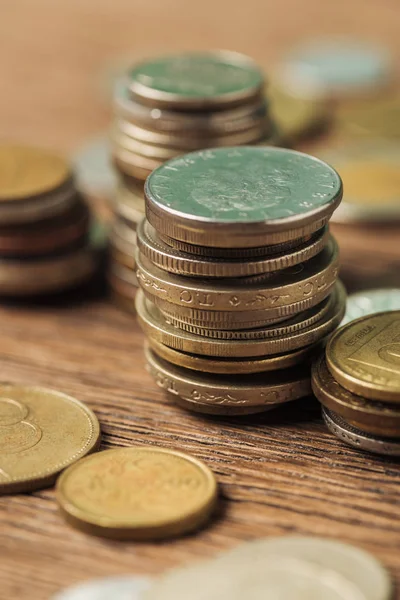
231 366
227 394
375 118
41 432
364 356
27 172
137 493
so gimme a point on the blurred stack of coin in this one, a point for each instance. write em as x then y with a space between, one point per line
238 275
44 224
358 383
170 106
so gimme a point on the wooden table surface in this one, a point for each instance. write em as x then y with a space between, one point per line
281 473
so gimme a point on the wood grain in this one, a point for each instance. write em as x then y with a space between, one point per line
279 473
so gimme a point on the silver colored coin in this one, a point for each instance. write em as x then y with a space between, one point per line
109 588
95 174
359 439
370 302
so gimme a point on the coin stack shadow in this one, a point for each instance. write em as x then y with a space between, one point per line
231 327
355 380
165 108
44 225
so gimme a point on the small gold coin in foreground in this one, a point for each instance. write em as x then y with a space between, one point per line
138 493
41 433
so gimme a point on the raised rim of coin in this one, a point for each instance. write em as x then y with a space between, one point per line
144 88
359 439
42 475
225 393
372 416
136 526
180 263
355 375
170 209
156 326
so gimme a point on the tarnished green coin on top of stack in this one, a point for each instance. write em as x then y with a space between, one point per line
241 196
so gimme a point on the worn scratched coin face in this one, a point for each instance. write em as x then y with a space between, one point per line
364 356
137 493
242 196
196 80
26 172
41 432
369 302
115 588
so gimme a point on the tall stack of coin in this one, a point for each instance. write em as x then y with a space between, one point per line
167 107
238 275
44 224
358 383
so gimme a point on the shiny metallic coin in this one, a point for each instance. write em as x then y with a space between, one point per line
128 205
166 493
372 416
369 302
282 289
219 394
156 326
121 258
132 164
95 175
115 588
174 261
232 366
242 197
337 67
42 432
360 439
196 81
363 356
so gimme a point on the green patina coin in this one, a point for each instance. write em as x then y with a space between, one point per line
206 77
244 185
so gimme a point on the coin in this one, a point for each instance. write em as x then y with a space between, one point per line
93 169
129 206
363 356
117 588
41 432
360 439
375 118
374 417
234 366
196 81
287 567
133 164
156 326
242 197
227 394
278 291
369 302
336 67
141 492
174 261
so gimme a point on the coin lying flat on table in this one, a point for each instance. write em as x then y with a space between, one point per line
142 492
41 432
109 588
290 568
358 438
363 356
243 197
374 417
369 302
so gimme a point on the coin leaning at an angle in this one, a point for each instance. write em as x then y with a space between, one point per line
364 356
369 302
156 326
286 567
42 431
281 289
241 197
180 263
228 395
116 588
358 438
373 417
141 492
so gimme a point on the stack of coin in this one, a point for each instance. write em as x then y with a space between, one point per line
358 383
170 106
44 224
238 275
